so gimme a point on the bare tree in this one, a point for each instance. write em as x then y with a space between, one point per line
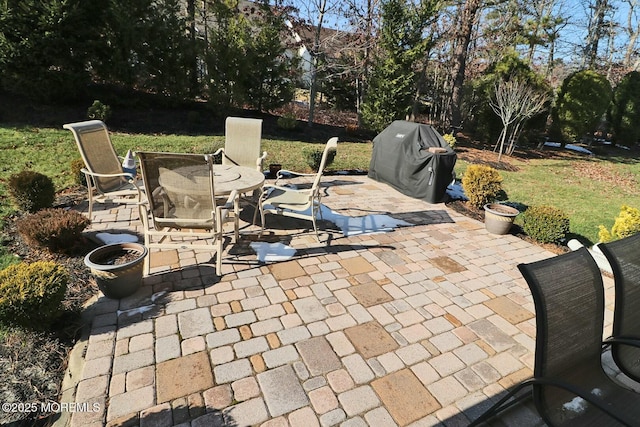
515 102
633 30
598 28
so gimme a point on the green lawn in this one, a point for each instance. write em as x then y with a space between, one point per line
590 190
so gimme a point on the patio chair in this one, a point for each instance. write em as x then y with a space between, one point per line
569 385
624 257
181 207
296 203
106 181
242 143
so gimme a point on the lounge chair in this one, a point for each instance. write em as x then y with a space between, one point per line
106 181
624 257
569 386
296 203
181 210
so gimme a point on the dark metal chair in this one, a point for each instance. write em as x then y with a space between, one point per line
569 386
624 257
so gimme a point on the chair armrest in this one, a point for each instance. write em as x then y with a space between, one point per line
630 341
219 151
286 174
260 161
269 187
283 172
231 204
231 200
127 175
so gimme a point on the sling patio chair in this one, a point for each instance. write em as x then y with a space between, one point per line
569 386
106 181
242 138
181 210
296 203
624 257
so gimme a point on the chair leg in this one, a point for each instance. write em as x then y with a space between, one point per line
219 257
315 225
236 219
90 202
261 220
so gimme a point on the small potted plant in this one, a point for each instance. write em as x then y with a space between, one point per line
117 268
483 184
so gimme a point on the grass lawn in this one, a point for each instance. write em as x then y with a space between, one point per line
590 190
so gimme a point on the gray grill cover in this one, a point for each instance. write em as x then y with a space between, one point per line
401 158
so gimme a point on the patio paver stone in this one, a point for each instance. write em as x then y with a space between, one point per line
371 339
370 294
183 376
405 397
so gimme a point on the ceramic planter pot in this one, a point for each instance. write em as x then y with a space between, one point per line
273 169
498 218
117 268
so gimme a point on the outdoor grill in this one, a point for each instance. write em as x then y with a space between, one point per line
414 159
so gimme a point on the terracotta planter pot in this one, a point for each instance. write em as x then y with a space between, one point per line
498 218
117 278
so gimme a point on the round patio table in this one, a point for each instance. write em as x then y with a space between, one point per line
226 178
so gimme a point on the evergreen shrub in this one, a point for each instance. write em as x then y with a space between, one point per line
627 223
99 111
481 184
313 157
545 224
31 191
31 293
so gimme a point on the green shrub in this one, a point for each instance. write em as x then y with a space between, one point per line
31 191
624 114
55 229
288 122
481 184
79 177
451 140
545 224
313 157
583 98
99 111
31 293
626 224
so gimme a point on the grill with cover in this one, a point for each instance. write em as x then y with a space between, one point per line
414 159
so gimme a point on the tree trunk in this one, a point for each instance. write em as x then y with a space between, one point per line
314 62
462 38
596 26
193 78
634 33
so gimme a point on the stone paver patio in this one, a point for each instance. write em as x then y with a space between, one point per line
423 325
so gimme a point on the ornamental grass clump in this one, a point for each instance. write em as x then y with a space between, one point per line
626 224
31 294
58 230
545 224
481 184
